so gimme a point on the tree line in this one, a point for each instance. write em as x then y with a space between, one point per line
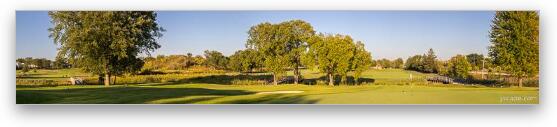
40 63
107 43
514 49
457 66
293 44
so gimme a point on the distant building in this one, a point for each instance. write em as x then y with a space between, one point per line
19 65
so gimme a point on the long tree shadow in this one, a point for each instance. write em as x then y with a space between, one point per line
350 80
265 79
275 99
116 95
143 95
225 79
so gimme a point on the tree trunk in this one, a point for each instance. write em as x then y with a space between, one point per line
520 82
296 74
101 80
275 79
114 82
356 82
107 79
343 80
331 79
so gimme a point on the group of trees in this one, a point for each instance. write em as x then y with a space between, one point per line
215 59
426 63
457 66
514 47
292 44
40 63
337 55
172 62
210 58
386 63
108 43
281 45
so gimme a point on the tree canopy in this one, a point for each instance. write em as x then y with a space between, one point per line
282 45
245 60
216 59
476 60
515 42
398 63
105 42
361 61
459 67
337 55
426 63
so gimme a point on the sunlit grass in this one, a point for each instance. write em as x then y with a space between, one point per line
391 86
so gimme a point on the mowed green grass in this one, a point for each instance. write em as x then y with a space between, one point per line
61 74
390 87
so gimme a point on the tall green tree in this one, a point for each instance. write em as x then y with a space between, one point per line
105 42
361 62
430 59
333 54
298 34
515 42
281 45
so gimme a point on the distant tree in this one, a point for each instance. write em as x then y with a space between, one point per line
61 63
476 60
189 60
36 63
105 42
361 62
398 63
333 54
25 69
235 62
245 60
515 42
20 60
199 60
385 63
443 67
373 63
216 59
415 63
426 63
459 67
429 62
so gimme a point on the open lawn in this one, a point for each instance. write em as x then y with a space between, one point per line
388 86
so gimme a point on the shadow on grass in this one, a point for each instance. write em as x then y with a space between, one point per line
145 95
349 80
115 95
224 79
228 79
275 99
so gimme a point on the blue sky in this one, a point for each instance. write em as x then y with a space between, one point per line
387 34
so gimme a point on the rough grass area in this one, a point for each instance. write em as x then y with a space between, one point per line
388 86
